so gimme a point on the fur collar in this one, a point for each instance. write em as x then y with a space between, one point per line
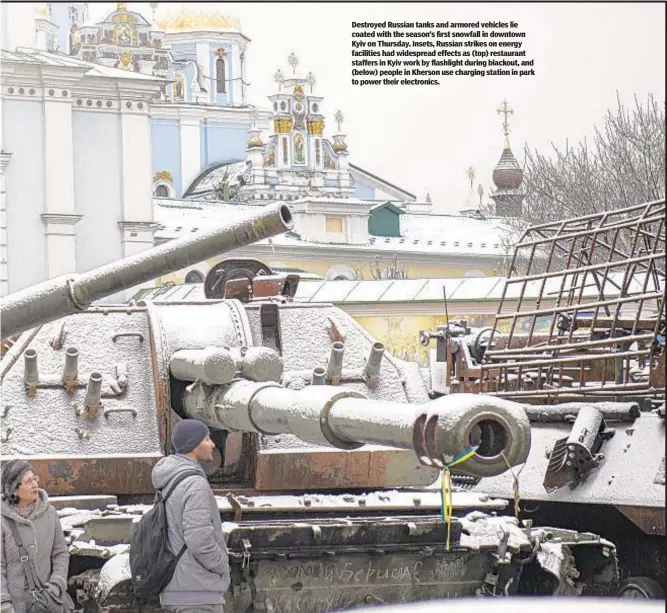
41 506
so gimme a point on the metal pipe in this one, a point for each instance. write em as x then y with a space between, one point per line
94 393
611 411
340 417
259 363
319 376
571 307
575 271
374 362
335 365
31 374
71 368
517 354
65 295
211 365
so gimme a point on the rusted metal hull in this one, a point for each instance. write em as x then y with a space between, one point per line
649 519
312 470
96 475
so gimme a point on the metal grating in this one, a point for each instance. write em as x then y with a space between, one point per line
561 340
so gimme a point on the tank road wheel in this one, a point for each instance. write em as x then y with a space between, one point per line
641 587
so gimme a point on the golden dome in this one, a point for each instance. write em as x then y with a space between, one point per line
41 10
191 16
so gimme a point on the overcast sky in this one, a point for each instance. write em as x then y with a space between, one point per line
425 138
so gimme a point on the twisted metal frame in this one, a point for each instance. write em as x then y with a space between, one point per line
607 342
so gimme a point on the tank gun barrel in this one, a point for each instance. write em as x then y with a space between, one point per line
340 417
68 294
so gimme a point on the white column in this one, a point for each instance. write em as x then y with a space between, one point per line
60 243
58 156
236 85
60 211
136 162
190 151
202 55
4 278
136 225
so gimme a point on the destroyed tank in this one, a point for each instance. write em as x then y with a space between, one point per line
579 341
326 446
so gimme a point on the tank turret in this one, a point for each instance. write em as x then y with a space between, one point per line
61 296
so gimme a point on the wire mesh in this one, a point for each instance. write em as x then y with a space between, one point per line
595 327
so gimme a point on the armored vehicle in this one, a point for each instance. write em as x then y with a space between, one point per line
326 445
585 355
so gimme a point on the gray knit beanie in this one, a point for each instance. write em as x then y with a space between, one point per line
187 434
12 472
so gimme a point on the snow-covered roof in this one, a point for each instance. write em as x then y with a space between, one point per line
24 55
429 234
401 290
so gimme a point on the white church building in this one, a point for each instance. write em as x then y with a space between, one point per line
119 134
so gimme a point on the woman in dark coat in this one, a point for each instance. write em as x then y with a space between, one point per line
40 530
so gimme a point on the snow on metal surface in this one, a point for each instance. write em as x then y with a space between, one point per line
626 475
49 422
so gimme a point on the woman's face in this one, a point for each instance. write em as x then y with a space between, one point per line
28 488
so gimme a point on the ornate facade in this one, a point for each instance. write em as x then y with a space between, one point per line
296 161
125 39
200 52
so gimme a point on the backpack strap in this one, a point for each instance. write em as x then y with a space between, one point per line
178 479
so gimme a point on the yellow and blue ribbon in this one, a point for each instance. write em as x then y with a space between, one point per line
446 490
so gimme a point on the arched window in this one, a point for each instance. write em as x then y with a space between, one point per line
220 76
162 191
194 276
340 273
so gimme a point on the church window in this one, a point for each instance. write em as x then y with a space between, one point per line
220 83
162 191
334 225
194 276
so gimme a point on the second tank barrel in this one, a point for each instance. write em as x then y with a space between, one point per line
65 295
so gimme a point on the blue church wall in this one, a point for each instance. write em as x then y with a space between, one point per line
166 146
222 142
182 51
363 191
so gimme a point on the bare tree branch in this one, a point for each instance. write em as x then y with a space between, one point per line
624 165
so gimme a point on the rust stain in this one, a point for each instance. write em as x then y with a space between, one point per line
102 475
649 520
324 470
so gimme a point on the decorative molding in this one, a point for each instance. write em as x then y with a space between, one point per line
4 160
163 175
61 218
204 36
209 112
138 226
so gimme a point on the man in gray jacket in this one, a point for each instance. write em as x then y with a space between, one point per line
202 574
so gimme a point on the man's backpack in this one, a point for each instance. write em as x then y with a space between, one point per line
151 562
